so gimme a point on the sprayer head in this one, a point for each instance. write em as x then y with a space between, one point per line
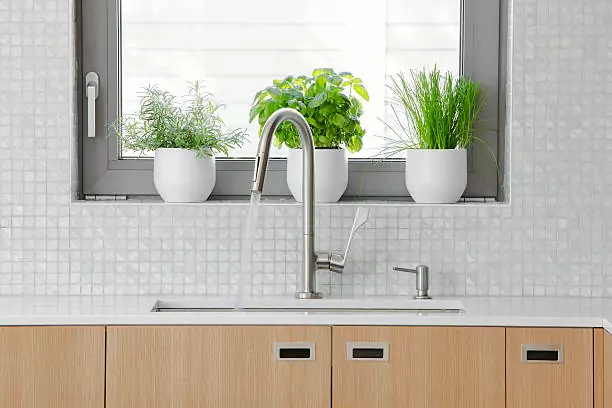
259 174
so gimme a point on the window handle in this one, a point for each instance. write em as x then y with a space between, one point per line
92 91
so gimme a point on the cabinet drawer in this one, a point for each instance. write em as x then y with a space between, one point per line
52 367
549 367
219 367
418 367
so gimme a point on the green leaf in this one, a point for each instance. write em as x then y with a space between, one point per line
276 94
259 95
312 122
341 98
355 144
327 109
318 100
334 79
254 112
321 71
311 91
361 91
270 109
339 120
321 81
287 80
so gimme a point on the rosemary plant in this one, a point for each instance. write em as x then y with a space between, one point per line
165 121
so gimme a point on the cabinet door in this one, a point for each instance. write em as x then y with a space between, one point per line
218 367
549 368
603 368
418 367
59 367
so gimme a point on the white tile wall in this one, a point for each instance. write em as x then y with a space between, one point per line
553 239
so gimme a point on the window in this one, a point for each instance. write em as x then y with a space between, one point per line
238 47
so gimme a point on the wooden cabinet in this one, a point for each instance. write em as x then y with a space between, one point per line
603 368
60 367
218 366
418 367
549 367
287 366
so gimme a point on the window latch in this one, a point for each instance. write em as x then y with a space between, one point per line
92 91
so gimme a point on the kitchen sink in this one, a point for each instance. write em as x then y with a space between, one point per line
364 305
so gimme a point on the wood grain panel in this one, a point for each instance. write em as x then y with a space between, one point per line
555 385
59 367
215 367
598 368
603 368
428 367
607 377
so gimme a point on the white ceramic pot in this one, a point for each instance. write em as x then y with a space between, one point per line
331 174
436 176
181 176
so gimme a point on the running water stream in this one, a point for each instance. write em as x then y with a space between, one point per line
245 279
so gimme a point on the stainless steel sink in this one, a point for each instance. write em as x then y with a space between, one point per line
336 306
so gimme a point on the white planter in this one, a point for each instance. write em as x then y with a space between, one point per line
331 174
436 176
181 176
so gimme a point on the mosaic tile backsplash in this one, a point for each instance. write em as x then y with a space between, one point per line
553 237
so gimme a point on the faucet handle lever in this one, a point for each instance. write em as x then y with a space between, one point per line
336 262
360 219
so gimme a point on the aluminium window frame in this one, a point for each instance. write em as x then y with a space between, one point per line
103 172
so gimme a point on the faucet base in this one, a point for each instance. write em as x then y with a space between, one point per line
308 295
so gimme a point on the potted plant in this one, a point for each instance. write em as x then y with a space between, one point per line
328 102
185 134
434 117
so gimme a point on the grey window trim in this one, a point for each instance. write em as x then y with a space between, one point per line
103 173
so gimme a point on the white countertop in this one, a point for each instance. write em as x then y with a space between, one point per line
136 310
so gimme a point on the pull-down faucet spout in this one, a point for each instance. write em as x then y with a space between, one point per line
308 284
311 260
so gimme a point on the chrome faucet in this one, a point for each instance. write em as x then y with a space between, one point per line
312 261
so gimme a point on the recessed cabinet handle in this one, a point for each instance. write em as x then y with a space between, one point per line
367 351
542 353
294 351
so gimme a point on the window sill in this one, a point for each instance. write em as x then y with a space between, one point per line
289 201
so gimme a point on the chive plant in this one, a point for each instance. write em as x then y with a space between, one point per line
432 111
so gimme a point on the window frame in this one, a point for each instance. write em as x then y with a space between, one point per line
483 47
